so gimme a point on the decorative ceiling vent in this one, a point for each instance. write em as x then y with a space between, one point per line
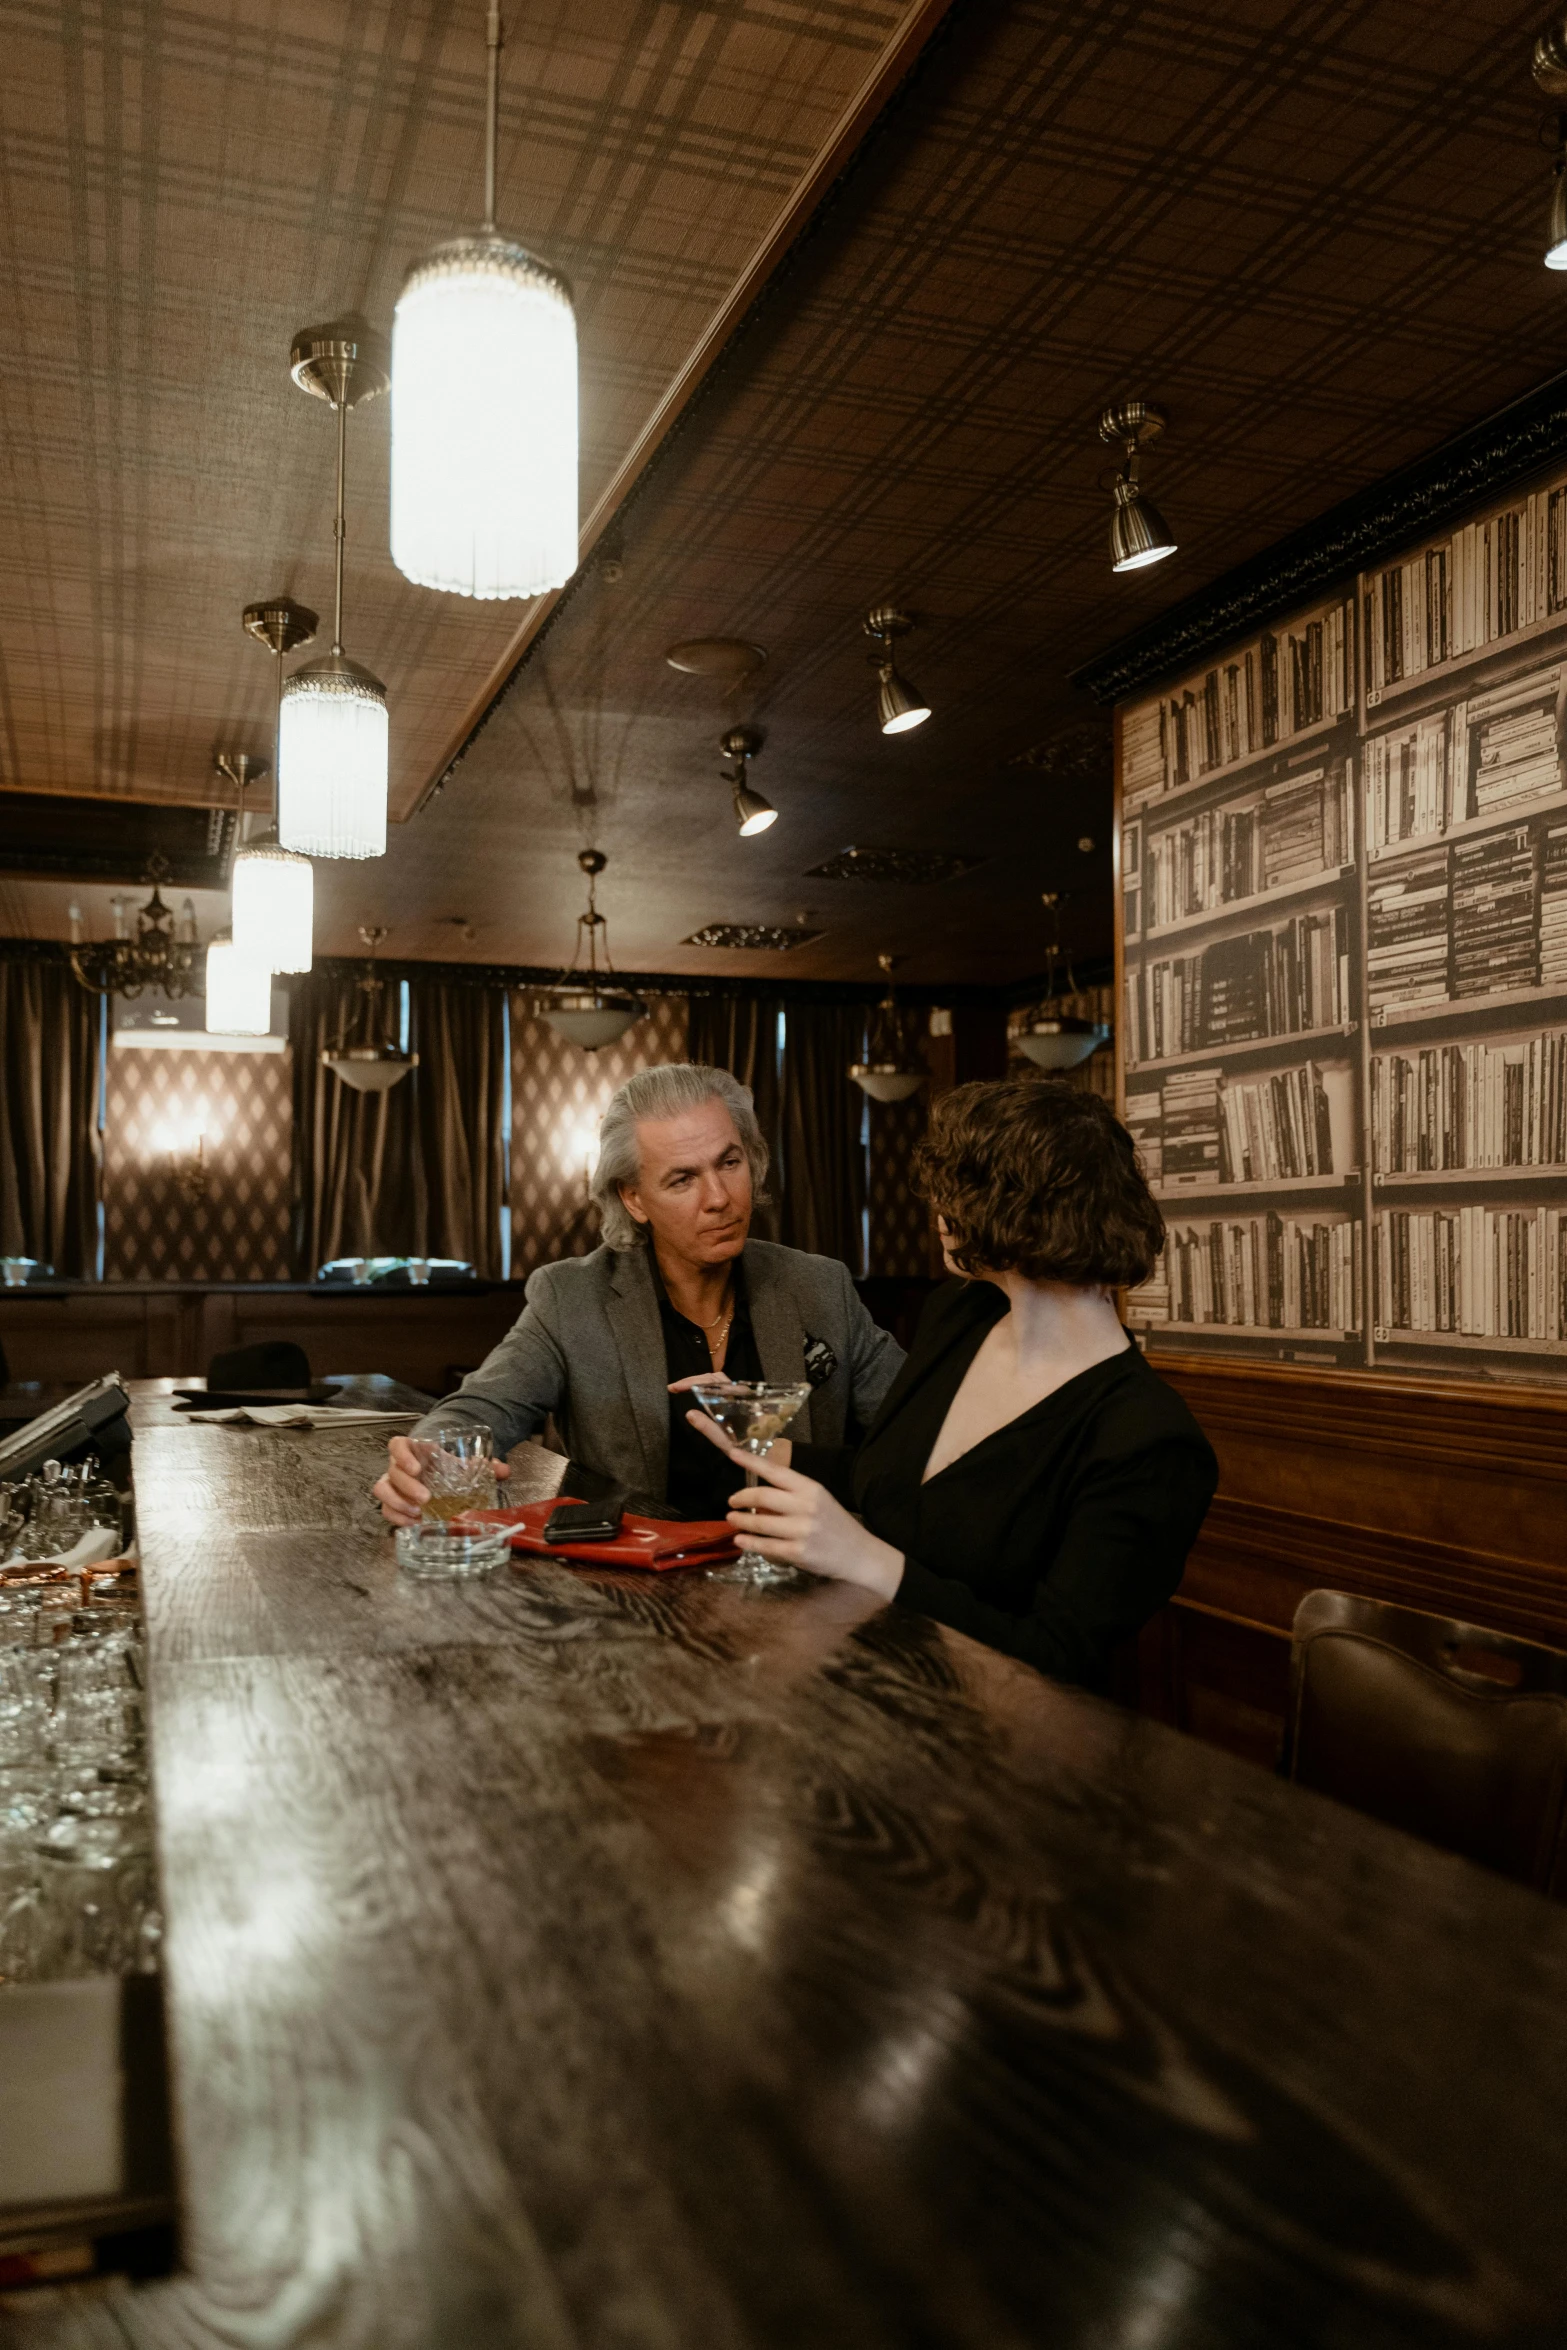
894 865
1079 754
769 937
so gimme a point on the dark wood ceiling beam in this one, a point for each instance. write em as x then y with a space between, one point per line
831 160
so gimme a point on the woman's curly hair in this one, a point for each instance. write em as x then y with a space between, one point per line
1035 1177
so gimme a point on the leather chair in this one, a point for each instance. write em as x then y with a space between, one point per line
1449 1731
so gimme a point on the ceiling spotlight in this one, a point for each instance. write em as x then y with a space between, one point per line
899 706
1549 67
484 408
753 814
333 727
1139 534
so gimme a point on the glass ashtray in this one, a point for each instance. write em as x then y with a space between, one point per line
441 1550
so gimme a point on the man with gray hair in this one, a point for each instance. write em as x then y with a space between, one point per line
678 1290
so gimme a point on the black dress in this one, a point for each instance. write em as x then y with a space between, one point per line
1057 1537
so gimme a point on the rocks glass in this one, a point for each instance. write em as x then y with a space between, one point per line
457 1466
752 1415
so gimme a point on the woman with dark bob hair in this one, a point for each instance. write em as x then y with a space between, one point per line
1028 1478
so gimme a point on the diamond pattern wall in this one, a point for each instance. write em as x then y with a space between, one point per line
559 1093
901 1228
239 1230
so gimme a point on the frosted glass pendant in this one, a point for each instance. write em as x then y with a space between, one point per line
273 905
239 991
332 761
484 423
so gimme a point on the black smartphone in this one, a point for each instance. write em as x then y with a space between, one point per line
584 1521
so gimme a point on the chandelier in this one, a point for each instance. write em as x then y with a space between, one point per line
162 956
332 724
1060 1040
578 1007
890 1073
375 1065
484 408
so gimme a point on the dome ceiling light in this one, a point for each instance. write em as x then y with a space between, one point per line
332 726
726 657
1139 534
484 408
753 814
891 1072
273 888
900 707
1549 67
376 1064
579 1006
1060 1040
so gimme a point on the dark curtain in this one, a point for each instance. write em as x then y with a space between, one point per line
419 1170
823 1156
355 1189
50 1152
740 1033
459 1033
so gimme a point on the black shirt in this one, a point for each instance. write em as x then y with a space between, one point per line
1058 1536
700 1479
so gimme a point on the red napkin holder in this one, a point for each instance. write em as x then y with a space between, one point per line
642 1542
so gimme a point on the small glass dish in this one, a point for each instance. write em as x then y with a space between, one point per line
438 1549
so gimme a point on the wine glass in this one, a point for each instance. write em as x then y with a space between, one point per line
752 1414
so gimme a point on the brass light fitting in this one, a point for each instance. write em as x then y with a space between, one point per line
1139 534
1549 67
900 707
753 814
890 1073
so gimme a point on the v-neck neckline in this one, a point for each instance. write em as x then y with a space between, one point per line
1019 1419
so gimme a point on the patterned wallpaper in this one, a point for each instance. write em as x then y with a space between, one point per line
900 1226
239 1231
558 1094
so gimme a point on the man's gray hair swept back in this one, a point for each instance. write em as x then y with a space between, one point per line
664 1093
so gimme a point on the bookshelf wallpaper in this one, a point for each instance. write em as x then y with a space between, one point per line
1343 1044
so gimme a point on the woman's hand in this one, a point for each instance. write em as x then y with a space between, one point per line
794 1520
783 1446
400 1493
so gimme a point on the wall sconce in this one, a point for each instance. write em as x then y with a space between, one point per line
582 1150
185 1148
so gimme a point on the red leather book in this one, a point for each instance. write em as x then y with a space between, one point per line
641 1542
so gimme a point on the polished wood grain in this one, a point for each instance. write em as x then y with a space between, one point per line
579 1960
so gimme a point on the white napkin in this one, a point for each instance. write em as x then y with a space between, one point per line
99 1542
293 1415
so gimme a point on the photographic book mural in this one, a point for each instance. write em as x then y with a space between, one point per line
1344 967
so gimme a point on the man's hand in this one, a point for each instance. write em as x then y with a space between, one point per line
401 1495
794 1520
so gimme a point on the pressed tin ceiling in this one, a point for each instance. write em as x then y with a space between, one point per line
1309 228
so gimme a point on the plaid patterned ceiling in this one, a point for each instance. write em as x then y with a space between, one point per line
1309 228
185 188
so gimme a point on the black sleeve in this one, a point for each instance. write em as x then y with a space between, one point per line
831 1465
1119 1560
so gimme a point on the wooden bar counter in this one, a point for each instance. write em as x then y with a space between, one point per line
580 1962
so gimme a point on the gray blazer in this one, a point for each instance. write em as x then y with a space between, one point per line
588 1347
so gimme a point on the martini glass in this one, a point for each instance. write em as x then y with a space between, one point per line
752 1415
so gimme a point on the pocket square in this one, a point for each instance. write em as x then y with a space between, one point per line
820 1361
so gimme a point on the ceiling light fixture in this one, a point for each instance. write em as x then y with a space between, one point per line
484 408
578 1007
1060 1040
374 1066
1549 67
899 706
273 888
161 956
891 1072
332 726
753 814
239 991
1139 534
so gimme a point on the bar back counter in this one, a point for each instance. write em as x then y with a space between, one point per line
581 1959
